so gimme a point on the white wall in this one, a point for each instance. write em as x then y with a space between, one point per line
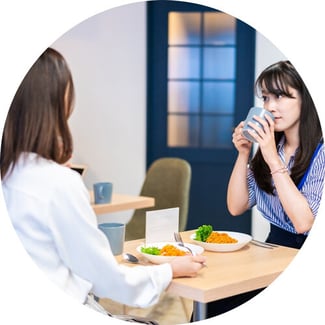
266 54
107 56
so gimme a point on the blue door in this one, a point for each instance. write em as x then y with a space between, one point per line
200 85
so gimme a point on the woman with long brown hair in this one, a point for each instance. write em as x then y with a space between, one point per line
49 204
285 178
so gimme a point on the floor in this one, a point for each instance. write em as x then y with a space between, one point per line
170 310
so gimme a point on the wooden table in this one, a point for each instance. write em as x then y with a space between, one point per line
122 202
228 273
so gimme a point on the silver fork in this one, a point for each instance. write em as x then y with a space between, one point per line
263 244
179 241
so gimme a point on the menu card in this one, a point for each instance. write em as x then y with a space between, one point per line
161 225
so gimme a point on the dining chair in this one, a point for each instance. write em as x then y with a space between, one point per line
168 180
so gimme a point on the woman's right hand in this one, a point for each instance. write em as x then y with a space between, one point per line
187 266
240 142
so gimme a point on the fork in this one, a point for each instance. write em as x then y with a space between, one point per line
179 241
263 244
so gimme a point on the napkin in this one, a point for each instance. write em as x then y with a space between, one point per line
161 225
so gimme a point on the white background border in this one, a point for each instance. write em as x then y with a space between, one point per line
28 27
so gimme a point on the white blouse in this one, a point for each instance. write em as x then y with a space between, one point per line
50 210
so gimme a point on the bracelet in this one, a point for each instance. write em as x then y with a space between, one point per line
280 170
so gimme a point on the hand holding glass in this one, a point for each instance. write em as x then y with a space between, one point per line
254 111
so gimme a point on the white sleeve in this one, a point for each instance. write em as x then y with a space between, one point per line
86 251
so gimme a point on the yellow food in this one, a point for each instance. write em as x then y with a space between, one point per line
220 238
170 250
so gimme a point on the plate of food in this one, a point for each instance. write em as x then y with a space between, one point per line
219 241
164 252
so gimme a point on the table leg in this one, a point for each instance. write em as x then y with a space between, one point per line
199 311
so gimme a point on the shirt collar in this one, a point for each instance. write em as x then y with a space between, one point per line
280 148
281 143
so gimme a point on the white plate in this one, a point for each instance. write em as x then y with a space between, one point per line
157 259
242 240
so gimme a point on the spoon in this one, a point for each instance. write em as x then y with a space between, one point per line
130 258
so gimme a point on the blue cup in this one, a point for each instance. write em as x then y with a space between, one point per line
115 233
103 192
258 111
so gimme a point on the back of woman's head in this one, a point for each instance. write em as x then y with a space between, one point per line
37 120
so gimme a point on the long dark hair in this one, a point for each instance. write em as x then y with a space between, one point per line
277 79
37 120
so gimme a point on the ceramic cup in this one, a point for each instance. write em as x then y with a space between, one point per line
258 111
115 233
103 192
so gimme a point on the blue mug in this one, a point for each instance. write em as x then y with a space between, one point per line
258 111
103 192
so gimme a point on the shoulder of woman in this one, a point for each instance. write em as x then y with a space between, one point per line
318 163
321 152
45 174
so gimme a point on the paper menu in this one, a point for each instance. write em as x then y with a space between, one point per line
161 225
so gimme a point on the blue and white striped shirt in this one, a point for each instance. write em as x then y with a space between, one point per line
270 206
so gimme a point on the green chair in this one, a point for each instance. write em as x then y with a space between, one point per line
168 181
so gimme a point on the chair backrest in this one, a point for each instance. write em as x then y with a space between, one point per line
168 181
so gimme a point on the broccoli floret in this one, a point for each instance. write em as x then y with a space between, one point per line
203 232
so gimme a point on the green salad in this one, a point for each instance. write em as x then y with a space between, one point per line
150 250
203 232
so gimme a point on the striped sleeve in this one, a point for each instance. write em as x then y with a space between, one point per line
251 184
314 184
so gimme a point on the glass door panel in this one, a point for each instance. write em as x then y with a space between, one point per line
201 79
184 62
219 63
219 29
184 96
218 97
184 28
183 131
